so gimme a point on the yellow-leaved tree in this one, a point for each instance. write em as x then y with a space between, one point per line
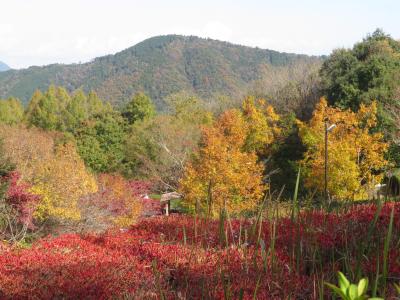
263 125
356 154
61 181
223 174
55 170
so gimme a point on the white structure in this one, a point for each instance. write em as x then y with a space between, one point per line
166 200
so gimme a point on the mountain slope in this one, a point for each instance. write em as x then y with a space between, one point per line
3 67
159 66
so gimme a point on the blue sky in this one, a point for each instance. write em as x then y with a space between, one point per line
38 32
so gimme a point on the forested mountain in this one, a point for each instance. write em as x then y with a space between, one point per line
161 66
3 67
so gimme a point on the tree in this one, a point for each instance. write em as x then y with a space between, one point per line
11 111
286 151
53 169
356 156
291 89
100 141
47 110
76 111
139 108
17 204
367 72
58 110
222 174
61 182
98 129
263 125
159 148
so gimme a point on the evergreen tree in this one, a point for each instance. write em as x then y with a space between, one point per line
367 72
100 141
139 108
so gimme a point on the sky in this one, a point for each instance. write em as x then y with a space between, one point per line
40 32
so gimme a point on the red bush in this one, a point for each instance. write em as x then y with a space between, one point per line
169 255
21 200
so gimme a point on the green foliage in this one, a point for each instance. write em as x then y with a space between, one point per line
56 109
45 110
158 148
364 73
369 71
11 111
139 108
99 130
286 153
350 291
100 141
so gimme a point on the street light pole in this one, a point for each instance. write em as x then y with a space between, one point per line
326 161
327 130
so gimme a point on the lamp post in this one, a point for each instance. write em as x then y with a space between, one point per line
327 130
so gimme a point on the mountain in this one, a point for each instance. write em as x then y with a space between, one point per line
3 67
160 66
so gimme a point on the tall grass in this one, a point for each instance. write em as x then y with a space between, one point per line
307 257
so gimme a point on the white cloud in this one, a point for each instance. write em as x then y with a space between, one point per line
37 32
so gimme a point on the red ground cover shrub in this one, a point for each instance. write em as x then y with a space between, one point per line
141 189
71 267
173 257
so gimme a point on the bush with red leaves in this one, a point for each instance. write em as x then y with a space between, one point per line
17 208
113 205
181 257
141 189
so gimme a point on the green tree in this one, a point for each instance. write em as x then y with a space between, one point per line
100 141
11 111
285 154
47 110
367 72
139 108
76 110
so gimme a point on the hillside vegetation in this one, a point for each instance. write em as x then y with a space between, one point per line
161 66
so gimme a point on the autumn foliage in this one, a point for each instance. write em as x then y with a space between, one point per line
17 208
223 174
166 257
54 170
115 204
262 125
356 152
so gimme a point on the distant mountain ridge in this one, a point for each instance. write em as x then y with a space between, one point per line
158 66
3 67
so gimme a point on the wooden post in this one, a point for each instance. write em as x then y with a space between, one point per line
167 208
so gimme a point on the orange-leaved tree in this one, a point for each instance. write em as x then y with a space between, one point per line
356 154
223 174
